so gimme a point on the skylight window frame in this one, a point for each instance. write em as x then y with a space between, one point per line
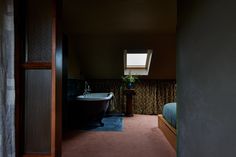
148 59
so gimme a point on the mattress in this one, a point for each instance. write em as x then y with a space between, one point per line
169 113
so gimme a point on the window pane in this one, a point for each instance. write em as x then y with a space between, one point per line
136 60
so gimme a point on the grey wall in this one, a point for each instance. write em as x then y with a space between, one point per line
206 76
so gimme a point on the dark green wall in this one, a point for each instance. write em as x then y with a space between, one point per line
101 56
73 58
99 31
206 61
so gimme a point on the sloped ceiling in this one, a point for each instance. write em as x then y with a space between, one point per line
99 31
119 16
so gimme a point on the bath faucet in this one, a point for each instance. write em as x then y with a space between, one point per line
87 88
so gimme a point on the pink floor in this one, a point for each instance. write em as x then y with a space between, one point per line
140 138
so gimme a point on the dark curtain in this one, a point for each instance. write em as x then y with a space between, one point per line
7 84
150 96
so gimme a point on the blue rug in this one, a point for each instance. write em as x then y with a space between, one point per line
111 123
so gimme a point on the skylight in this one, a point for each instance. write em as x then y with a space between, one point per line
137 62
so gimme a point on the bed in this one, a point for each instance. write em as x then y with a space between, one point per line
167 123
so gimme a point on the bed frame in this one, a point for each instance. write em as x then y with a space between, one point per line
168 130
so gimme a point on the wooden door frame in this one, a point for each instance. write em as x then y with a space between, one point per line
59 62
57 80
19 24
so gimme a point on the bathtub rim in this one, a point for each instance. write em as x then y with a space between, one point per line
107 98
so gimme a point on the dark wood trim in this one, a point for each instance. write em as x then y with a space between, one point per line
59 63
168 130
53 100
37 155
57 81
37 65
17 77
19 25
65 82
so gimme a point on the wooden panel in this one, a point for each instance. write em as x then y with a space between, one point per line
58 68
167 130
36 44
19 22
37 65
35 155
39 30
37 117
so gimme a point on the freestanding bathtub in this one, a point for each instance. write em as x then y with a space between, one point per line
89 108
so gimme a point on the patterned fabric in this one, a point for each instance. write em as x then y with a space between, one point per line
7 84
150 96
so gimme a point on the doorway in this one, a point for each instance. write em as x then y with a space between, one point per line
100 31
